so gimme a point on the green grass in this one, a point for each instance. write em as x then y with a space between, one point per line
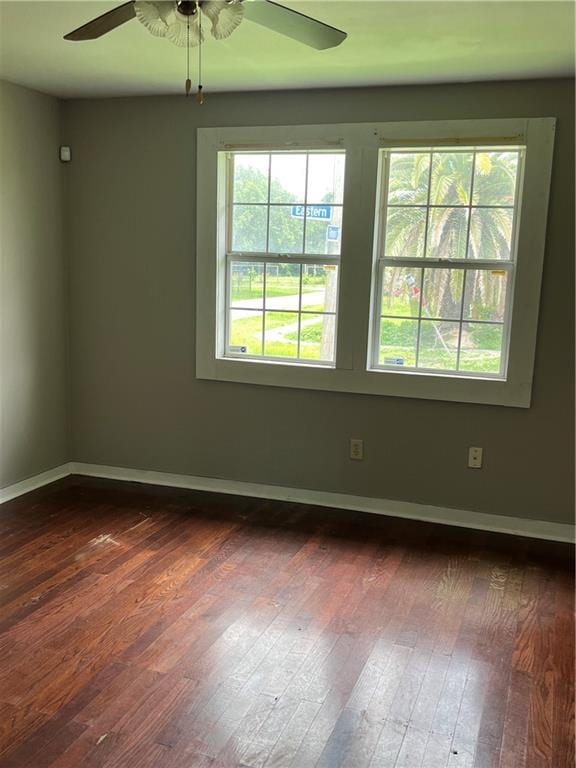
309 333
398 339
400 306
310 340
248 333
477 361
481 361
281 285
400 344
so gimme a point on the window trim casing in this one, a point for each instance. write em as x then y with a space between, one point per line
362 142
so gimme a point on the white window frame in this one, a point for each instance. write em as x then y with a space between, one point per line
362 142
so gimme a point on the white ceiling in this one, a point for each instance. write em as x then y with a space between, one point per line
406 41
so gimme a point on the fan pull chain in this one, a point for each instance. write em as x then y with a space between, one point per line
199 93
188 81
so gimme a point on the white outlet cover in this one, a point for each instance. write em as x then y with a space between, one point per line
356 448
475 457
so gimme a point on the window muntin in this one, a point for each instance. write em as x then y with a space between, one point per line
445 260
284 230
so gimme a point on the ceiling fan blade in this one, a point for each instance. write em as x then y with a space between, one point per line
103 24
293 24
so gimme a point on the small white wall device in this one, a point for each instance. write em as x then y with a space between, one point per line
65 154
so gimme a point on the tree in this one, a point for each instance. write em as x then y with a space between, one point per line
450 181
285 230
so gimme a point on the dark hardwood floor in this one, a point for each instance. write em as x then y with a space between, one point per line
153 628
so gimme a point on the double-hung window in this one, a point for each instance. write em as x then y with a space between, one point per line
446 259
283 230
399 259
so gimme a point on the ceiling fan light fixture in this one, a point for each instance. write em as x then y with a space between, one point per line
170 20
166 20
187 7
224 15
177 32
154 16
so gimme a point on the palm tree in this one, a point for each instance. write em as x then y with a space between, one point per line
413 184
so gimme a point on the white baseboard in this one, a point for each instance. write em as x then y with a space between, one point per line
36 481
537 529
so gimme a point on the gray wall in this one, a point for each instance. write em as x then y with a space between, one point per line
131 229
33 370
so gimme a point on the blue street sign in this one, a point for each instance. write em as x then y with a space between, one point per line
316 212
332 232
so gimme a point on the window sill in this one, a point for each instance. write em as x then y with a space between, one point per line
467 375
302 363
427 386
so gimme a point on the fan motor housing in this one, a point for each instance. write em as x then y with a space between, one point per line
187 7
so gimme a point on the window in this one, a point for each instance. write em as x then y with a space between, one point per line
397 259
446 258
284 224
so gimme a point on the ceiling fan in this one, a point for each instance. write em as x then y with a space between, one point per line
181 22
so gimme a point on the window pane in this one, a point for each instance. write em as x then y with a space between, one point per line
246 284
319 287
405 230
485 294
398 342
438 345
491 233
323 235
287 178
495 178
286 230
245 332
442 294
408 182
249 228
481 347
317 337
283 286
447 232
281 334
451 178
401 291
326 178
251 178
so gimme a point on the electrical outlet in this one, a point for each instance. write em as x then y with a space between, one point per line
356 448
475 457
